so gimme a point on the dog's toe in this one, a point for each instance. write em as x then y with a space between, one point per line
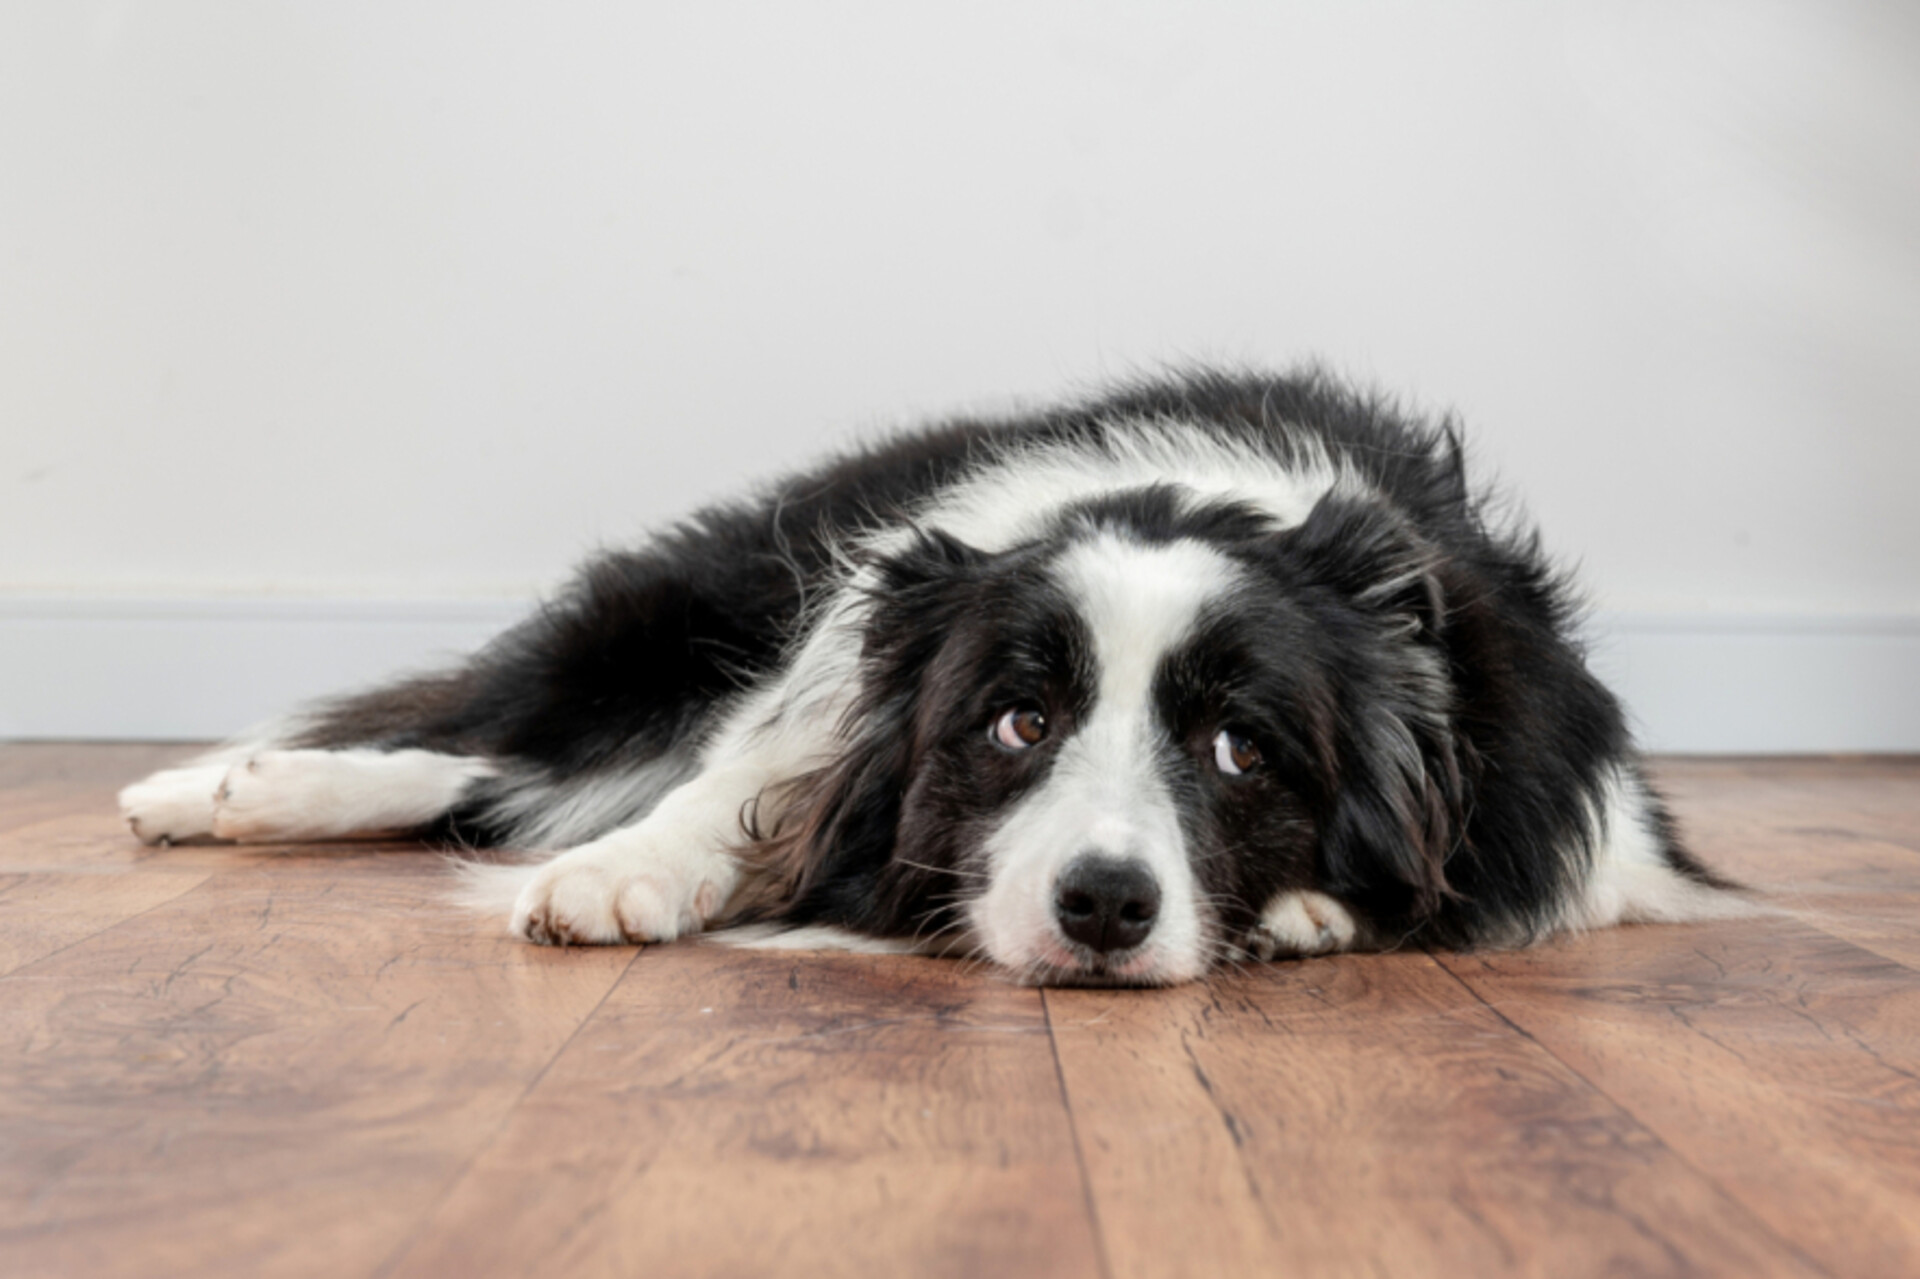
604 895
173 805
1302 922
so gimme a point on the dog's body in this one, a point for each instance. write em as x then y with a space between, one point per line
1207 668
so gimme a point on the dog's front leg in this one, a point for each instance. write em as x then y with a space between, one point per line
665 876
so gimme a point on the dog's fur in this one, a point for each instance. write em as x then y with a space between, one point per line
1211 667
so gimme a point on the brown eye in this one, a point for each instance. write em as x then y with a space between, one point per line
1234 754
1020 727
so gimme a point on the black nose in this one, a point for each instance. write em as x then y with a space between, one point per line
1105 903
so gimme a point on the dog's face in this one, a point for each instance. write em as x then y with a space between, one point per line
1096 757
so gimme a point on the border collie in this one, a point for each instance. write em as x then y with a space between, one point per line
1215 667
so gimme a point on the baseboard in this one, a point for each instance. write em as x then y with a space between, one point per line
205 668
198 669
1764 683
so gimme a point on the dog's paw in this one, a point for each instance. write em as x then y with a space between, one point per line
1302 922
173 805
287 795
256 798
623 888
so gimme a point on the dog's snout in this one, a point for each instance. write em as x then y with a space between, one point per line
1106 903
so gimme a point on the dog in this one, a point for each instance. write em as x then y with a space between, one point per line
1213 667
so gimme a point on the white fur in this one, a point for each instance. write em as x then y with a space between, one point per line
674 871
288 796
1303 922
310 795
173 805
1104 793
1006 499
667 875
1014 492
793 722
543 811
669 868
813 937
176 805
1629 880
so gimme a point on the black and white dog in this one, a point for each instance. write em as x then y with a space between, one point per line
1215 667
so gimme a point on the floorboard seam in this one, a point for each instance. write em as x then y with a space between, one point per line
1805 918
460 1174
19 970
1079 1154
1760 1225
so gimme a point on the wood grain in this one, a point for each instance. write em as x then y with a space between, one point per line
1367 1116
1830 857
224 1061
729 1113
1780 1061
55 779
44 913
265 1075
1875 797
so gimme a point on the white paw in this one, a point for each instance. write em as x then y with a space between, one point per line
627 887
173 805
1302 922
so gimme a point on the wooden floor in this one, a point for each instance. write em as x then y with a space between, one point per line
222 1062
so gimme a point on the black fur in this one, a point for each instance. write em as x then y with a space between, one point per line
1433 739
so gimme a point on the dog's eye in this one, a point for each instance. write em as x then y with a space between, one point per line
1020 727
1234 754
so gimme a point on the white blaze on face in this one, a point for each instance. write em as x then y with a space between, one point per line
1105 794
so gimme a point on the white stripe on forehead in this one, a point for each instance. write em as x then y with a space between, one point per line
1105 795
1139 600
1018 488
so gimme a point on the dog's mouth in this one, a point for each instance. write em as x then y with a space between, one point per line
1066 965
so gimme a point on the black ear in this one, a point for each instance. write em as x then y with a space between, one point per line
1374 558
837 827
1396 811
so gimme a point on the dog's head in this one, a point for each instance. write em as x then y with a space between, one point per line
1096 756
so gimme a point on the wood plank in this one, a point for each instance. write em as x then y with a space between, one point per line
1367 1115
58 810
99 843
745 1113
1755 821
98 767
40 780
260 1061
1865 891
273 1073
1875 797
1778 1060
44 913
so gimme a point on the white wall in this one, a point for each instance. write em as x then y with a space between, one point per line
417 302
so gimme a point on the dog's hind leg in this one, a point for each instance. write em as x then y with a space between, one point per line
292 796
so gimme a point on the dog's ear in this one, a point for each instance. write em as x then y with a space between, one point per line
1396 815
1374 558
836 828
1400 770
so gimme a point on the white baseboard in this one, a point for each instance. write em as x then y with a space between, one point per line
197 669
205 668
1764 683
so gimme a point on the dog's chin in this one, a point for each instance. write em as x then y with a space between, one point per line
1064 965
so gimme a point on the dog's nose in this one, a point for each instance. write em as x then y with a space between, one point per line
1105 903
